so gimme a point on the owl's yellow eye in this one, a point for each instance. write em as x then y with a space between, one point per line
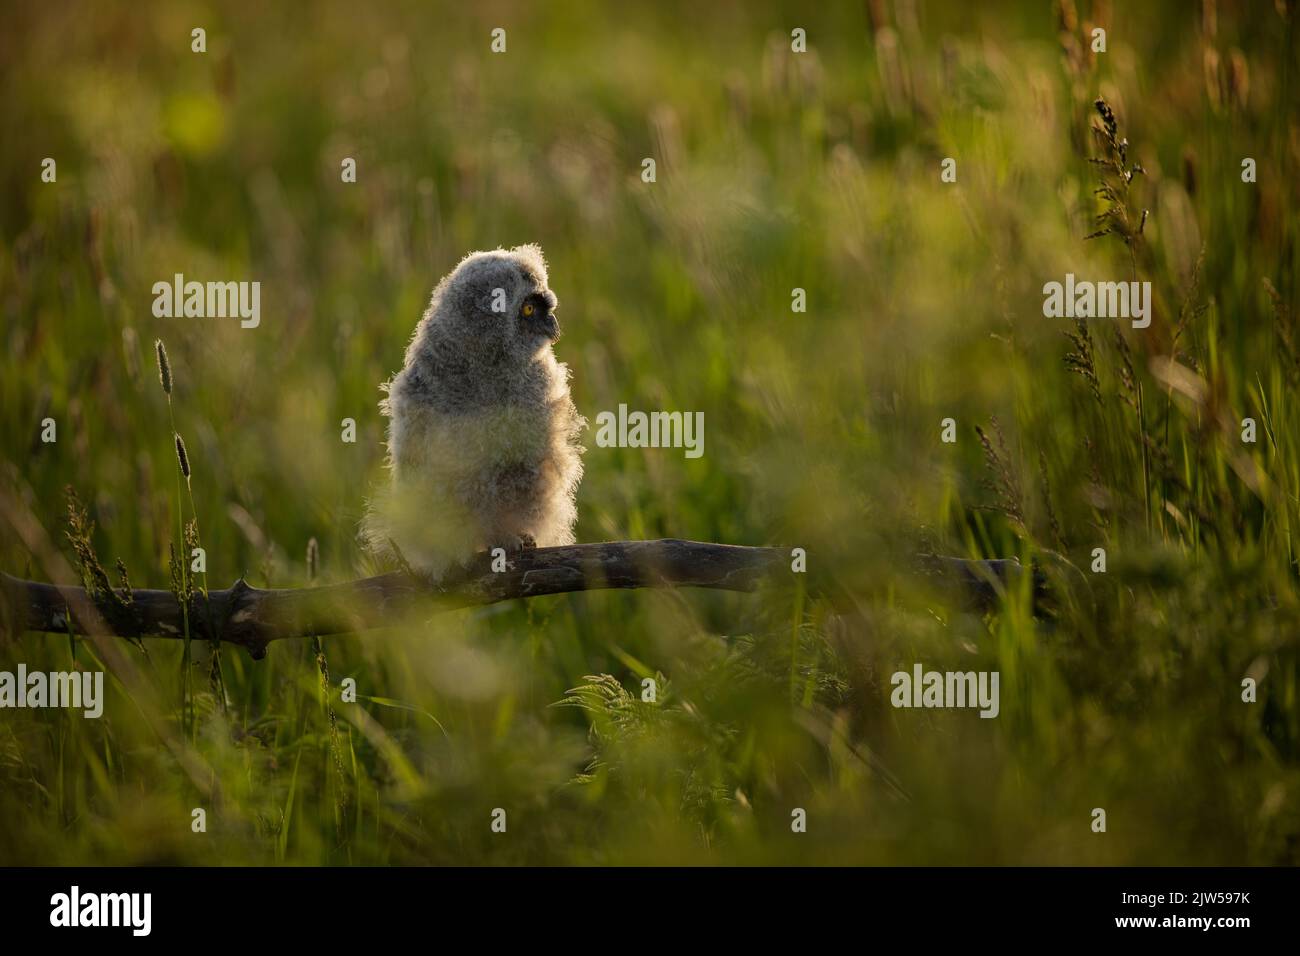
528 309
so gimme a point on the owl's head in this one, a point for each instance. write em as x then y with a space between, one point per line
500 301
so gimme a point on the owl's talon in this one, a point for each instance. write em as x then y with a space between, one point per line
517 544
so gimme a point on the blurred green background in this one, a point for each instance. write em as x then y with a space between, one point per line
775 170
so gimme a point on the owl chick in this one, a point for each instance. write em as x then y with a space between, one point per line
483 438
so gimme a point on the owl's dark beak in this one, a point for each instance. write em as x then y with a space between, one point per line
546 324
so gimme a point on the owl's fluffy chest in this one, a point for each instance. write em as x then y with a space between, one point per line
471 429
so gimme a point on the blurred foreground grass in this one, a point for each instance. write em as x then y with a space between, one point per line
775 170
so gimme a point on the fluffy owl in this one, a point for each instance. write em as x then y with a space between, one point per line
483 438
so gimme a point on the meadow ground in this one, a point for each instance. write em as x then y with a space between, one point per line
775 170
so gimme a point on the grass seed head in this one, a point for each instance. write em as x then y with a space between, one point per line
1107 117
182 456
164 367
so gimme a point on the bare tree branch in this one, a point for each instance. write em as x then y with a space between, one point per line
252 617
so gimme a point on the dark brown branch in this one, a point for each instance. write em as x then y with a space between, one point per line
252 617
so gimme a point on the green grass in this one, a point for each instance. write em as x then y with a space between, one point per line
775 171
